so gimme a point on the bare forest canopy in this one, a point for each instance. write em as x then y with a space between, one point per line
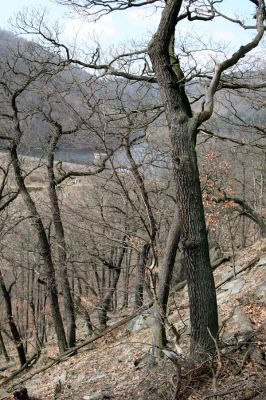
73 83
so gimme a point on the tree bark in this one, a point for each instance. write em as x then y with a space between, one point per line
3 348
11 322
201 289
103 308
142 262
183 131
152 230
45 251
165 278
83 309
61 247
126 278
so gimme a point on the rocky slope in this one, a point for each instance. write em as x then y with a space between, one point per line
118 364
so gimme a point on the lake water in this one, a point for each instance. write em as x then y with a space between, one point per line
76 156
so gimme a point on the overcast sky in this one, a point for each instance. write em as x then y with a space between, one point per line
135 24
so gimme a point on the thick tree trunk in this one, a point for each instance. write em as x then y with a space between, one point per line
183 132
11 322
61 248
45 251
201 288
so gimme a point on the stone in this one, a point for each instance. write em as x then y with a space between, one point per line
237 326
235 286
262 262
222 297
137 323
127 358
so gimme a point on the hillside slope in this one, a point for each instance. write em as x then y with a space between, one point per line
118 364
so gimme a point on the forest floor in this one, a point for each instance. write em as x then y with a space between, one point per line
119 365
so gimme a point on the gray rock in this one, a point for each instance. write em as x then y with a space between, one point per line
222 296
262 262
235 286
125 358
237 326
137 323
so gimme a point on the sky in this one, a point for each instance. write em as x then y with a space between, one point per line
118 28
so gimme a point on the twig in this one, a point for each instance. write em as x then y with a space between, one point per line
172 356
219 366
224 392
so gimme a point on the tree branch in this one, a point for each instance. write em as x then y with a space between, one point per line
220 68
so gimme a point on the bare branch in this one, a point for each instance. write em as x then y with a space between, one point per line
220 68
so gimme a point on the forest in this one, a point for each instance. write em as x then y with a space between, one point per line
133 209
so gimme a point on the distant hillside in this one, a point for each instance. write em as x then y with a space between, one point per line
67 90
77 98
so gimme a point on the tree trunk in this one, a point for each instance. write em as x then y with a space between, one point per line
61 248
126 278
139 290
243 219
201 288
83 309
3 348
183 132
152 230
12 325
102 312
165 278
34 331
45 251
